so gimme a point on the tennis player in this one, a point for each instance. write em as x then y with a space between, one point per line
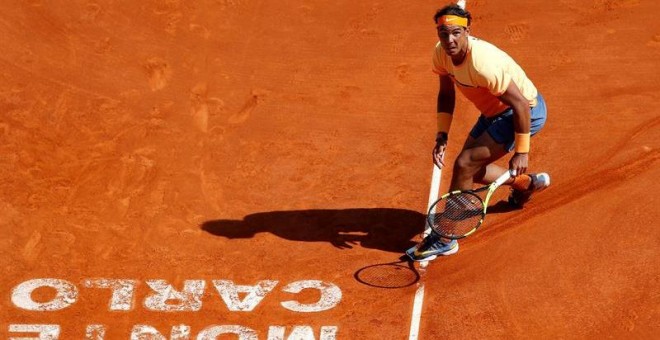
511 109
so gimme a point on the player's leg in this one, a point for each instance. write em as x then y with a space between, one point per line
523 182
522 190
477 154
491 139
474 163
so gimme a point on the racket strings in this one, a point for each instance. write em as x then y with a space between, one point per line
457 215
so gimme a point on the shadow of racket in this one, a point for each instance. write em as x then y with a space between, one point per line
392 275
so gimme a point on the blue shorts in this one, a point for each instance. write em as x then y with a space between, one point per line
500 127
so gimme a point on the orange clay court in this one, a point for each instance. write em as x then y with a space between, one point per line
222 169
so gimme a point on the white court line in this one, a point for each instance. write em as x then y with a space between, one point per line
433 196
417 312
419 294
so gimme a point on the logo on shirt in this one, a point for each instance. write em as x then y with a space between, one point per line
453 77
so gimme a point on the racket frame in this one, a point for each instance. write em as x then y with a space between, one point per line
491 189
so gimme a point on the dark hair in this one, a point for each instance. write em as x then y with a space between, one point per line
453 10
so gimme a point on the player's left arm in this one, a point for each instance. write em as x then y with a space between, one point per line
521 124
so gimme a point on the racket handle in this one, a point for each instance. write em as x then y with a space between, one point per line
505 177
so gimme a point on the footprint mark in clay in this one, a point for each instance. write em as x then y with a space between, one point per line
158 73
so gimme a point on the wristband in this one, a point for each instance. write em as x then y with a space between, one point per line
522 142
444 121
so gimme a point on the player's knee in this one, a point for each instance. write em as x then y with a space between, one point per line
464 165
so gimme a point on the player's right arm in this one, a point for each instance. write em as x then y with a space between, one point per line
445 109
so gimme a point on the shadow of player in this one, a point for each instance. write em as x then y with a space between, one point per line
375 228
501 207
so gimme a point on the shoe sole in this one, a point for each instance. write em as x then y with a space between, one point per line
545 179
411 254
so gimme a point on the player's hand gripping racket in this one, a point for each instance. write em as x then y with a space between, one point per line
460 213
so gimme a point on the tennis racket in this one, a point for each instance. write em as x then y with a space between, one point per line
460 213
